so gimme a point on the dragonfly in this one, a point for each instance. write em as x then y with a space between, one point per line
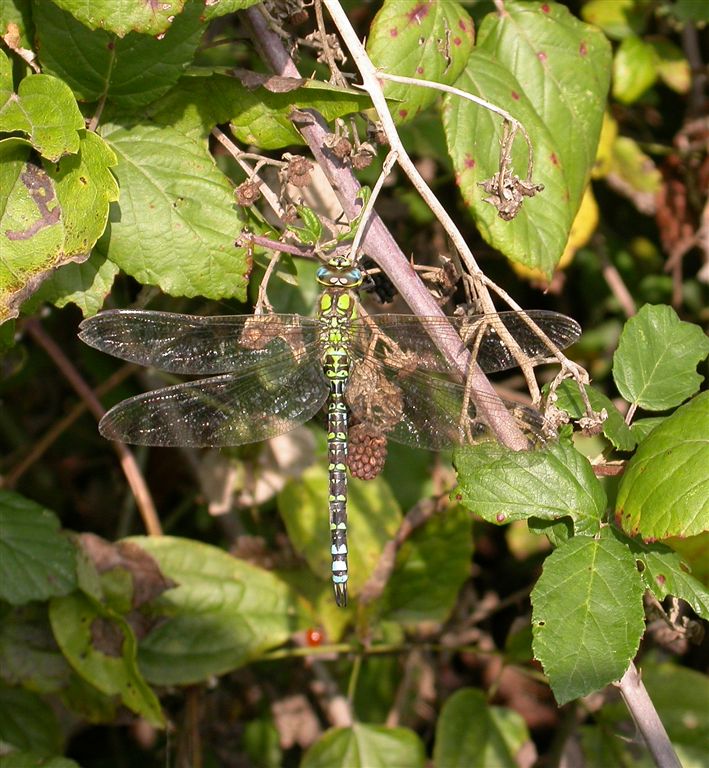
264 374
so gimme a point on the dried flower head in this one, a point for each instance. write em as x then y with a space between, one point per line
247 193
298 171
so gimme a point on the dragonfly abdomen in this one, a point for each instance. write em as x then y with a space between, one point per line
336 365
337 310
337 499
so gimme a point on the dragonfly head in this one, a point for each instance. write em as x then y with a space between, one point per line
339 272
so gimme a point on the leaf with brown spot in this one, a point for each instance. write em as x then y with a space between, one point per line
148 581
50 214
102 649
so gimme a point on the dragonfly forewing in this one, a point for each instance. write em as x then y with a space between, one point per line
190 344
496 341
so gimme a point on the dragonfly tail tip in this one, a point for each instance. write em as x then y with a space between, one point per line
340 594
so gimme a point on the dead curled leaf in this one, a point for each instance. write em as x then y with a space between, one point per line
272 83
148 580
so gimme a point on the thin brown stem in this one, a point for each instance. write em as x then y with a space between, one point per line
618 288
129 465
41 446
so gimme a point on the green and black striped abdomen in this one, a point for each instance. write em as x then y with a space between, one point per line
336 312
337 498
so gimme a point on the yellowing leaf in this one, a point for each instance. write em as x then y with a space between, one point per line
604 154
634 69
672 66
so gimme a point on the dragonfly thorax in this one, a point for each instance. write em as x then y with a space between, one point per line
339 273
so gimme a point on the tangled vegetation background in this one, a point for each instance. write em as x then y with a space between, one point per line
172 606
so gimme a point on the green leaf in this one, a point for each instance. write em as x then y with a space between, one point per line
261 743
634 69
587 615
27 723
35 760
614 427
654 366
537 235
689 11
5 78
85 285
312 229
100 645
641 428
366 746
223 614
36 560
29 655
129 72
695 552
431 566
428 41
123 16
617 18
262 118
87 702
665 488
176 222
373 517
635 171
523 63
666 574
226 6
258 117
502 485
45 110
18 12
472 734
50 216
672 65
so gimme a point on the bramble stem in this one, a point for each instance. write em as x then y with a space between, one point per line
379 242
648 722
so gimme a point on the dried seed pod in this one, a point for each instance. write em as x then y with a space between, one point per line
298 172
362 158
342 148
247 193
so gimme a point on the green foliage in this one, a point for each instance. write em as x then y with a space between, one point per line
655 365
101 647
590 593
472 734
371 509
665 490
495 485
524 58
27 722
115 188
52 213
166 177
680 696
130 70
407 40
222 613
36 560
366 746
430 569
588 598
